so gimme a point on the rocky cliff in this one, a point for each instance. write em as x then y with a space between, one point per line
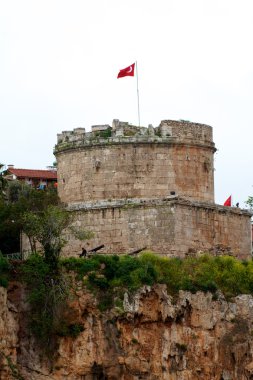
155 337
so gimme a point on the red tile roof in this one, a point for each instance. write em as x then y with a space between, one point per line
34 173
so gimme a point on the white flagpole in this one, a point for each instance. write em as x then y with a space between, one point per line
138 93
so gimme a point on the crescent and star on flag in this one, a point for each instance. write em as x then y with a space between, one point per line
127 72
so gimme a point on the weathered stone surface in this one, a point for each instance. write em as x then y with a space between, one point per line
9 329
148 187
192 337
172 226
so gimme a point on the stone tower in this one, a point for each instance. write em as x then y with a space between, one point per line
153 187
175 158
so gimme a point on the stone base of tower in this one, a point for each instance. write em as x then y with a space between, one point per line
171 226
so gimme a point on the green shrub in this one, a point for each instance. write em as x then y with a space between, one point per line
101 282
47 293
181 347
4 271
110 275
105 301
80 266
104 134
72 330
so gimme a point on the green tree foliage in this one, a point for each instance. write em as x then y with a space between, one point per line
43 219
48 286
28 198
47 295
39 214
3 182
19 199
4 271
47 227
249 202
9 227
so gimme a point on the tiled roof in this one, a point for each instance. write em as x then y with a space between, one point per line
33 173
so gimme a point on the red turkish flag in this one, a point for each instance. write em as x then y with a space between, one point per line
127 72
228 201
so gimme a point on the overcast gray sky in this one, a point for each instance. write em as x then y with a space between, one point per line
59 62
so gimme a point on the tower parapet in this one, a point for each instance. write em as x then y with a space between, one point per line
168 131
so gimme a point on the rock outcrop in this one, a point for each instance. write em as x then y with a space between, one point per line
154 336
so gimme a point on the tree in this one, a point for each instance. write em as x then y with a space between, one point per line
9 229
3 182
18 199
47 227
249 202
40 215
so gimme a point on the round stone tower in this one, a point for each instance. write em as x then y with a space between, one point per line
124 161
153 188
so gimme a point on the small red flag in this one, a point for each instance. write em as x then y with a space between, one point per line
127 72
228 201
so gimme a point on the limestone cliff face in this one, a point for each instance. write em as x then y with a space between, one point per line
8 335
156 337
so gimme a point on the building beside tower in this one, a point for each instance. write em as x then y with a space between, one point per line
149 187
33 177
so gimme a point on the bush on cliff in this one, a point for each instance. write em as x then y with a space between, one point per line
4 271
46 295
116 271
205 273
48 292
109 276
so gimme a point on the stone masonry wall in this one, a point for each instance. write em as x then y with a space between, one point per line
138 187
170 227
185 130
214 228
131 171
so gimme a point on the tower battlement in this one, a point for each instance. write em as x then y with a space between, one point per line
169 131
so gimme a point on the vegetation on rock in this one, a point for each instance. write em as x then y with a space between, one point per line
111 275
4 271
47 293
40 215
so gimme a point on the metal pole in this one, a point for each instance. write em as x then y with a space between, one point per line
138 93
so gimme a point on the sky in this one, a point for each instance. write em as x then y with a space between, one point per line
59 62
